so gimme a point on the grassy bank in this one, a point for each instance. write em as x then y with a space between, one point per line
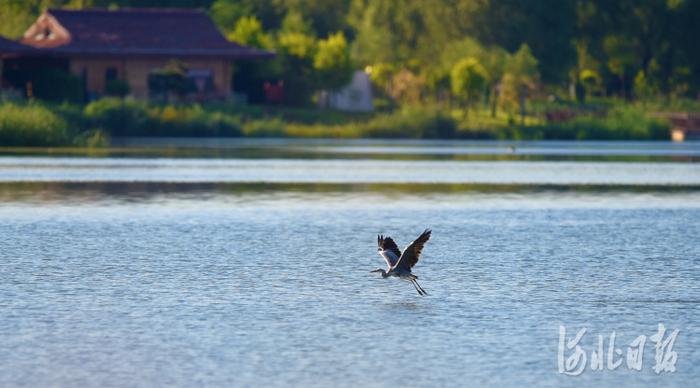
41 124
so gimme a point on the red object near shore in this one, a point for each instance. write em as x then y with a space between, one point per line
274 93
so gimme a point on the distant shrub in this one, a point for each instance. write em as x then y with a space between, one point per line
71 113
214 124
192 120
119 116
126 117
416 123
625 122
47 124
92 139
31 125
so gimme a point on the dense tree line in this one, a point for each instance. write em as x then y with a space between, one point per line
499 51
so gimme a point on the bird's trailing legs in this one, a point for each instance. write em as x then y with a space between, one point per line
418 287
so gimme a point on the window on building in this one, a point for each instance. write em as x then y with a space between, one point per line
203 79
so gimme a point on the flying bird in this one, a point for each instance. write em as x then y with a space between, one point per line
399 263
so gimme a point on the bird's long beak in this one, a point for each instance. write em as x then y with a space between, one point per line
375 270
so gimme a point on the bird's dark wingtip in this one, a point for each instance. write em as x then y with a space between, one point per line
425 235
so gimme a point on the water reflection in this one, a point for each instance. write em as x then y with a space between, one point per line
347 195
78 169
248 148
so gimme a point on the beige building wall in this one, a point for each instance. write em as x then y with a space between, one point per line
135 70
95 69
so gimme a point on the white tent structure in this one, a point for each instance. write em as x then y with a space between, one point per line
355 97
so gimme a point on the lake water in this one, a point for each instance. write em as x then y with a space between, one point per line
168 270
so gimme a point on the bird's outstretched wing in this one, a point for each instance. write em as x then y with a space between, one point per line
388 244
411 254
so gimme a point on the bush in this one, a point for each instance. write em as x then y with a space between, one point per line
171 120
31 125
92 139
131 118
119 116
415 123
37 124
621 123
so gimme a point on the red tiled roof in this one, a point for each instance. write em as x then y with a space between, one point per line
164 31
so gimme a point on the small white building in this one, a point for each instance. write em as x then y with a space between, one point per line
355 97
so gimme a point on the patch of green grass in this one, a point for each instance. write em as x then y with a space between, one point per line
410 123
265 128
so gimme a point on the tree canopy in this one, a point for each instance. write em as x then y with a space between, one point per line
627 48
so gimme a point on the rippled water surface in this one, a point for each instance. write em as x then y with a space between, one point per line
164 282
343 171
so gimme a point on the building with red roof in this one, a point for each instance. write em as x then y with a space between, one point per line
101 45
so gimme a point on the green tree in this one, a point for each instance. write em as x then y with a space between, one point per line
297 45
520 78
17 15
547 27
226 13
621 59
294 22
591 80
332 62
405 31
468 79
493 59
324 16
423 40
250 75
524 66
248 31
642 88
375 41
296 48
649 36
